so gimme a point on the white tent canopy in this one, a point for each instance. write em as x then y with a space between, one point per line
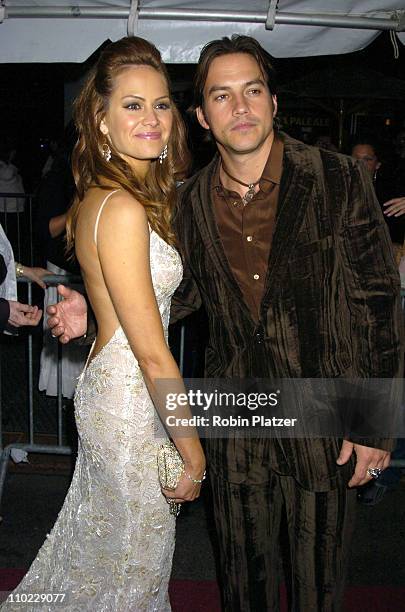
57 31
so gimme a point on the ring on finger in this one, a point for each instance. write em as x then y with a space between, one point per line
374 472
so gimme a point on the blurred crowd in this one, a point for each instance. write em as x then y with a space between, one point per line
52 198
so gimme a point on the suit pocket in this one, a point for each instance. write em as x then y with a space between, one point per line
311 248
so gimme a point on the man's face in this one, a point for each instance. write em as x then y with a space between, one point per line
238 106
367 155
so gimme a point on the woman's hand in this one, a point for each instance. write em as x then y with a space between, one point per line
36 275
394 207
187 489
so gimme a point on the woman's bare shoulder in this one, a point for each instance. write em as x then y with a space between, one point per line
116 197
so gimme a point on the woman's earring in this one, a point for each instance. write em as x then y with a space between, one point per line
106 152
163 154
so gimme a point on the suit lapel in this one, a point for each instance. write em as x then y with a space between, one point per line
295 194
204 216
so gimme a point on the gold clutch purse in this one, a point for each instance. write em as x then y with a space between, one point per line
170 469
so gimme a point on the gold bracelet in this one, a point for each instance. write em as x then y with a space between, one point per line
19 269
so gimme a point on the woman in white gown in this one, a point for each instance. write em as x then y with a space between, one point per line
112 545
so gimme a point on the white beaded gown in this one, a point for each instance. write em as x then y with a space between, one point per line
111 547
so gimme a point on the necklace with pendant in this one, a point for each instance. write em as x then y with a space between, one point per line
251 186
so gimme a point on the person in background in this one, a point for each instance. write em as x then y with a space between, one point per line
10 182
54 197
16 314
395 207
53 147
35 274
12 312
367 151
10 206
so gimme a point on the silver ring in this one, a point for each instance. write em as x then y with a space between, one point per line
374 472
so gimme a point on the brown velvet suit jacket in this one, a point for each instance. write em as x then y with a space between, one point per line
331 304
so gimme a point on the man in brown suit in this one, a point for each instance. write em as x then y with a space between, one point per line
285 246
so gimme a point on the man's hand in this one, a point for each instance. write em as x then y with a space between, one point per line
367 457
394 207
23 314
68 318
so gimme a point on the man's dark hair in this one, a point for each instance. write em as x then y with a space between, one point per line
225 46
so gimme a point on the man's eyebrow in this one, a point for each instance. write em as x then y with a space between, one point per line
215 88
255 82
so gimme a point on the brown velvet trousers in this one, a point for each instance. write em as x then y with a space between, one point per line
314 528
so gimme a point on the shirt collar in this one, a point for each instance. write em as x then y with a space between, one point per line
274 165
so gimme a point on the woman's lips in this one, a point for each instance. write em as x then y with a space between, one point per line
149 135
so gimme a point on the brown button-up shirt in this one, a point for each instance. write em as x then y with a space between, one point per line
246 231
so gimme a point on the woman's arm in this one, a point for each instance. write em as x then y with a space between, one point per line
34 274
57 225
123 249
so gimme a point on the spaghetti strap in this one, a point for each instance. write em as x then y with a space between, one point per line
100 210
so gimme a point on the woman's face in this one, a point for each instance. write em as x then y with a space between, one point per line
139 117
366 154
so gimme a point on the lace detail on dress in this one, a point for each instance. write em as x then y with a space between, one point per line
112 545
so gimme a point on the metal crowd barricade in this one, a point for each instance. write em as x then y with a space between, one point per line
30 446
18 226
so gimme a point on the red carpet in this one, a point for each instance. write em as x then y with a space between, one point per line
203 596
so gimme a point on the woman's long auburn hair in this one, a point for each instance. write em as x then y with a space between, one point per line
157 191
